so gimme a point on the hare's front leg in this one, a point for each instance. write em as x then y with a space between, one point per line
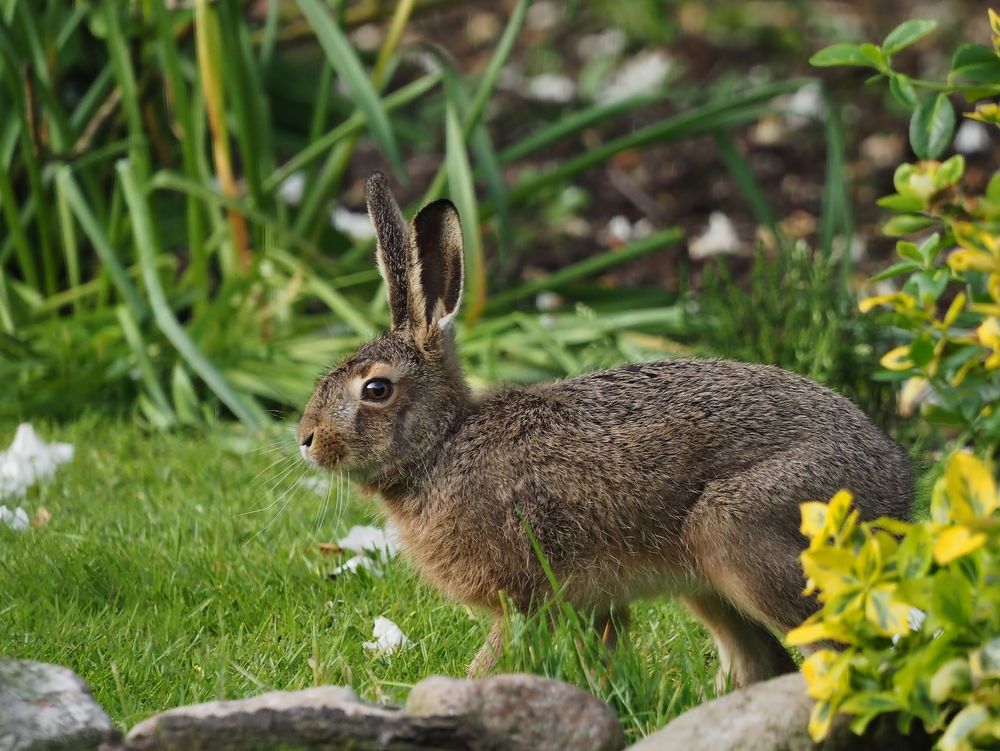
487 655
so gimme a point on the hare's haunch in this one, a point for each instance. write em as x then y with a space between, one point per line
681 476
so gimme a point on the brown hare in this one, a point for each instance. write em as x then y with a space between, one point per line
681 476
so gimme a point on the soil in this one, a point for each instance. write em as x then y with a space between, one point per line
682 183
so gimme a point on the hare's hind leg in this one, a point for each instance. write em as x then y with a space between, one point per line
748 651
743 540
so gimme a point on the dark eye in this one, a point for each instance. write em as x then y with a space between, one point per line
376 390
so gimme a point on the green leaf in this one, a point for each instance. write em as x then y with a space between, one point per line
903 204
873 54
902 89
906 224
897 269
952 599
975 64
913 556
962 726
907 33
343 58
841 54
932 126
909 251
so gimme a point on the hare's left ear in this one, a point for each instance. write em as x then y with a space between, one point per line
436 265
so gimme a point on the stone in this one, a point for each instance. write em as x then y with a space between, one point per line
326 717
771 716
522 711
49 708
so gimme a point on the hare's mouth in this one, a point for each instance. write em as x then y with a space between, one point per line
323 450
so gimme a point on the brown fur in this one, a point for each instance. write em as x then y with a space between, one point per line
679 476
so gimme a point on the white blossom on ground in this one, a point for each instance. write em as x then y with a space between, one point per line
17 519
292 188
719 239
388 638
552 87
29 460
972 137
355 224
643 74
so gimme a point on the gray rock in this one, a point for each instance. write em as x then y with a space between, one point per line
327 717
522 711
48 708
771 716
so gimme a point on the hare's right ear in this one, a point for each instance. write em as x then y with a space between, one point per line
391 248
436 265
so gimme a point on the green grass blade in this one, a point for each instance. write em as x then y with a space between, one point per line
18 236
700 120
100 242
350 127
587 267
464 194
571 124
71 249
835 215
121 62
133 337
744 178
167 180
146 242
340 305
342 56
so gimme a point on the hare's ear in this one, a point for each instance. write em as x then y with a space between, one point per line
391 248
436 264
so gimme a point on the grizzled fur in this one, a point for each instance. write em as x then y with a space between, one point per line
681 476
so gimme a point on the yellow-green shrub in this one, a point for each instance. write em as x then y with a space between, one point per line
916 608
949 306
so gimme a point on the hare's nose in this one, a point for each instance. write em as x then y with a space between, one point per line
304 447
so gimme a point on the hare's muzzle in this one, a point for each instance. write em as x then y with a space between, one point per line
320 445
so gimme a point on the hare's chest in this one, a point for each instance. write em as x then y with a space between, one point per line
469 559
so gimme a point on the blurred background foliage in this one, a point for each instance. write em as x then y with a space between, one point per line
183 233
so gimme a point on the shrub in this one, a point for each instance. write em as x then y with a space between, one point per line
948 308
917 607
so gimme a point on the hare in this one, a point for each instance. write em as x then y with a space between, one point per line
682 476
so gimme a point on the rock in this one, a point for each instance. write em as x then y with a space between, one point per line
522 711
327 717
771 716
48 707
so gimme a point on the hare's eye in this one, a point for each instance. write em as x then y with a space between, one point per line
376 390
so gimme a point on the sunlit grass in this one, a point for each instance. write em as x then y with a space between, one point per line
186 567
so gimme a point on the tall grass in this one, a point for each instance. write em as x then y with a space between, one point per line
149 264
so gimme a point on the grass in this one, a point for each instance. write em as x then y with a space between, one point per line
149 262
186 567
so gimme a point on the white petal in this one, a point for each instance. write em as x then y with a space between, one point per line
719 239
388 637
29 460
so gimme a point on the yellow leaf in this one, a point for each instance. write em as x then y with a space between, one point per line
886 612
955 542
987 309
813 519
953 310
977 260
971 487
824 671
899 300
912 393
820 719
809 633
989 336
897 359
893 526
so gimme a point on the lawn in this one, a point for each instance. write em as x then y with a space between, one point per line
187 567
